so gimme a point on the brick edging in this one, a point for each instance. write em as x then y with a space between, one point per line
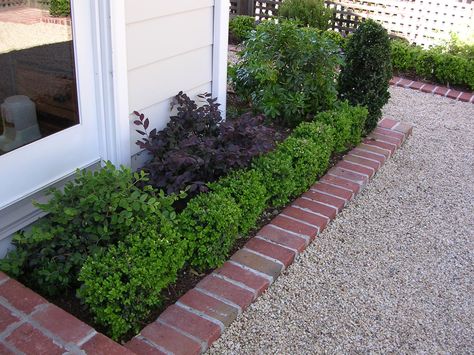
433 89
30 324
199 317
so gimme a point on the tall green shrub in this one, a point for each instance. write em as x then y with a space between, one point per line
287 72
122 285
364 78
313 13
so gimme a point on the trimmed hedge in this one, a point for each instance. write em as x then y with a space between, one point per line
433 64
123 284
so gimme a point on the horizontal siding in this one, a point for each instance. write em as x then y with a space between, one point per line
140 10
169 49
171 35
159 115
163 79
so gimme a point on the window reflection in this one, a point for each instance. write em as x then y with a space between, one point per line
37 78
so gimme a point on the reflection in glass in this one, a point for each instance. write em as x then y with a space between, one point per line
37 77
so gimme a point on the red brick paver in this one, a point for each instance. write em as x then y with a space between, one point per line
434 89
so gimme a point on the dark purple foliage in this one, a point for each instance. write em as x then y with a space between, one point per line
198 147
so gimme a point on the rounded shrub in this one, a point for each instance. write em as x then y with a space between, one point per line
246 187
287 72
309 159
240 28
347 122
122 284
210 225
364 78
313 13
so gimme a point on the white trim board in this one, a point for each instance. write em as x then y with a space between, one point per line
221 43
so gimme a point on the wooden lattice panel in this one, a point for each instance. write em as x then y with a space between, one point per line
424 22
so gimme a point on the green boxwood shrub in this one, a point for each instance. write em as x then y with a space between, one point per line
246 187
287 72
240 28
336 37
364 78
309 159
210 225
348 123
60 8
123 284
278 176
94 211
313 13
437 64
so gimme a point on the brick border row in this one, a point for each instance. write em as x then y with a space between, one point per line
433 89
199 317
30 324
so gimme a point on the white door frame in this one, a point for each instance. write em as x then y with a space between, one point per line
107 62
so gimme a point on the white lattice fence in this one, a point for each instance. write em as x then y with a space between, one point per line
424 22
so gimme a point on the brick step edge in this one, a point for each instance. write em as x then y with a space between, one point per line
30 324
199 317
433 89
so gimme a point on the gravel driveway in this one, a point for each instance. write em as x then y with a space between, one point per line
394 273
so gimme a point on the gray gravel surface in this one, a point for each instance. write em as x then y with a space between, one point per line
394 273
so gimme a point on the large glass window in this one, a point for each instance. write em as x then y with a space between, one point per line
37 77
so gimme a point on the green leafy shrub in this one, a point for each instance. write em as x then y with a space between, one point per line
364 78
98 209
348 123
247 189
60 8
123 284
437 64
240 28
405 56
309 160
210 225
313 13
287 72
336 37
277 170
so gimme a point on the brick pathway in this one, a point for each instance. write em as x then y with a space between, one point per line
30 16
29 324
433 89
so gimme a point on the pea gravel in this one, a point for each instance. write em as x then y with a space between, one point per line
394 272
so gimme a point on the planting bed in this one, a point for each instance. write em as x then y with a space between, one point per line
30 324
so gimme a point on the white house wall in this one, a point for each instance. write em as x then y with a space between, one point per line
169 49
